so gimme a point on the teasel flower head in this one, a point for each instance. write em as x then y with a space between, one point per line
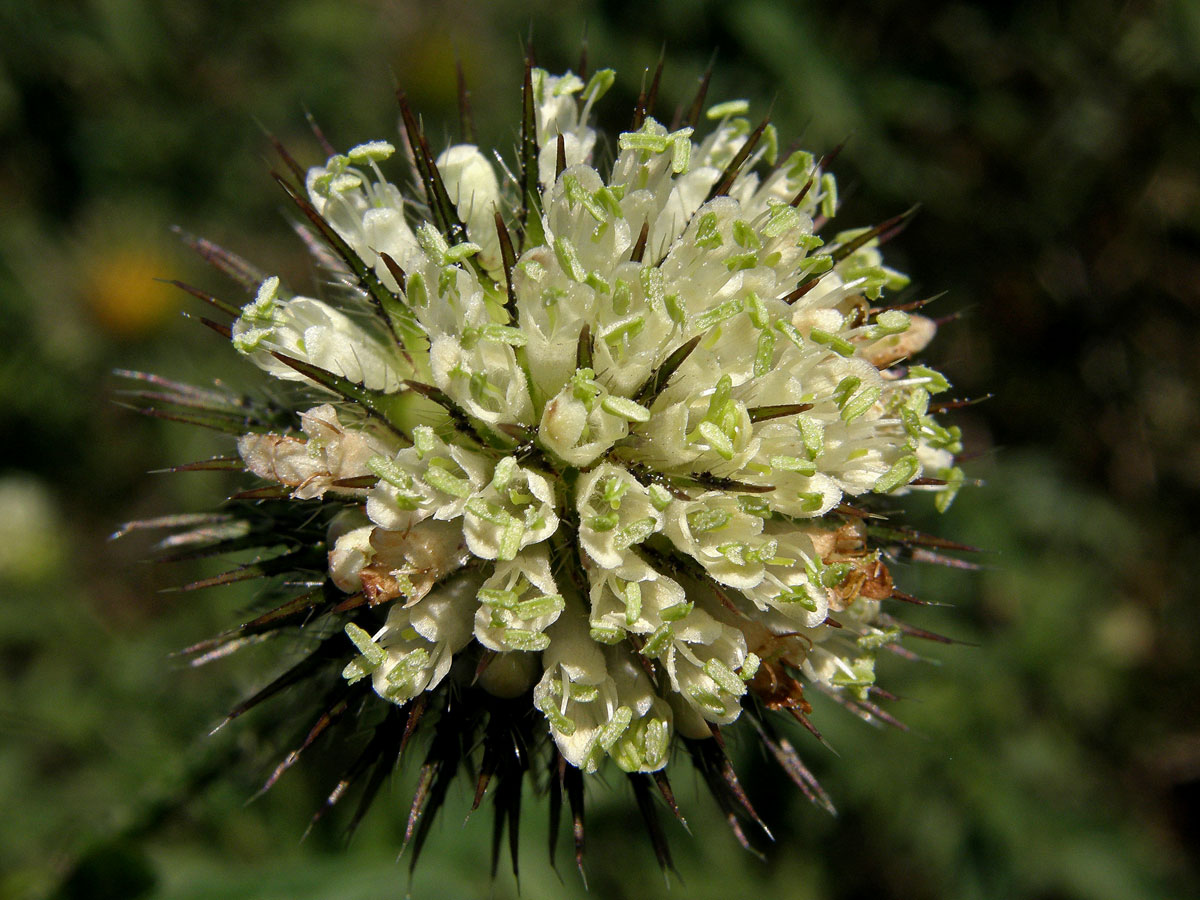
574 461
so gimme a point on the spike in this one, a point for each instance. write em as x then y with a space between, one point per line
529 154
225 262
228 308
890 228
508 258
658 379
697 107
466 125
725 182
639 247
766 413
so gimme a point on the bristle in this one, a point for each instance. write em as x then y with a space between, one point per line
228 308
725 182
466 124
508 258
529 153
224 261
766 413
657 381
639 247
697 107
889 228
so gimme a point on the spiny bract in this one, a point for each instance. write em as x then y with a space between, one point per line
572 451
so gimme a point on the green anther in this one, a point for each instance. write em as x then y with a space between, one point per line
342 183
372 151
789 331
371 651
653 284
433 243
681 150
568 84
635 532
622 297
498 598
859 679
812 242
707 700
632 595
954 481
524 639
749 667
860 403
548 605
734 551
576 194
756 308
874 640
643 141
783 218
441 480
490 512
337 164
890 321
728 108
770 144
810 501
356 670
615 727
613 490
708 235
407 666
711 317
605 634
503 334
603 522
703 520
901 473
718 441
416 290
816 265
598 85
793 464
619 332
504 472
753 505
812 434
675 310
459 252
625 408
829 197
765 353
568 259
510 540
660 497
835 574
838 345
799 595
745 237
845 387
584 693
520 497
423 440
740 261
558 721
936 380
676 611
609 200
658 641
724 677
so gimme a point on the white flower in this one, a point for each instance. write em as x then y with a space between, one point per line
596 436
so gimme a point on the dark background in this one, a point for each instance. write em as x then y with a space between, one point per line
1054 147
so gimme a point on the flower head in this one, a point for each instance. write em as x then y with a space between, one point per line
577 455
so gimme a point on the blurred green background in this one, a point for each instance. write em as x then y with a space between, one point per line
1055 147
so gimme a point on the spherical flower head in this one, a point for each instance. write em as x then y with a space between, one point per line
591 441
